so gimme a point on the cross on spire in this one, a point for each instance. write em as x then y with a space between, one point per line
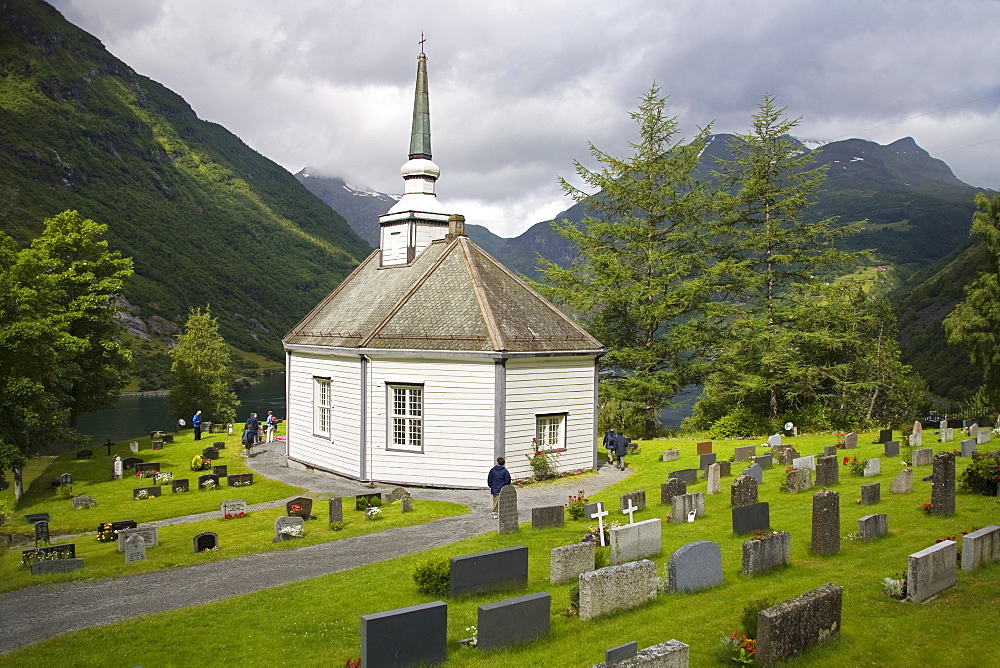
421 42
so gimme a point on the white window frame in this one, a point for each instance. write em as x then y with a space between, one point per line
550 432
322 407
404 417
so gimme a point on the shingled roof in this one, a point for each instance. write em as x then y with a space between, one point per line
453 296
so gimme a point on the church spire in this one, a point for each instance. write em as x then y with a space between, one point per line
420 135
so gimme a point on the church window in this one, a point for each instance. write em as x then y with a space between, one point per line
324 405
406 414
550 431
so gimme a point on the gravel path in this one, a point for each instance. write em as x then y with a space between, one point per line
34 613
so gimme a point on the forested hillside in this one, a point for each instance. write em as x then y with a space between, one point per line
206 219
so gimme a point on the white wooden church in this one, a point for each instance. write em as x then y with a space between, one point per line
432 359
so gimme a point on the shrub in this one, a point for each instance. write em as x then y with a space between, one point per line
741 422
433 576
541 466
64 492
982 475
576 504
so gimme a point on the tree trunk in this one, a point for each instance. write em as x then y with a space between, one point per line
18 483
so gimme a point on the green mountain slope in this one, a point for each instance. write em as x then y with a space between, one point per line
206 219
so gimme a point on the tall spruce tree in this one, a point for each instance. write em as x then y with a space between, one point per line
975 321
201 361
644 277
775 252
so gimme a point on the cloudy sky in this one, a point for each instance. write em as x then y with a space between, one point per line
518 89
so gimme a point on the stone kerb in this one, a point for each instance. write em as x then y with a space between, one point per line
873 526
615 588
670 654
566 563
514 620
682 505
767 552
695 566
408 636
980 547
632 542
790 628
932 570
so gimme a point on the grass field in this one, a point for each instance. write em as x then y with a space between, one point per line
316 622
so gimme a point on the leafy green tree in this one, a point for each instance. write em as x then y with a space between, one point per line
86 278
775 253
201 361
645 277
975 321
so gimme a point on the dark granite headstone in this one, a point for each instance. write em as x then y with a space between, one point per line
743 492
871 494
826 522
754 471
63 551
129 462
41 533
158 444
943 484
620 653
725 468
150 491
695 566
336 509
150 466
180 485
210 453
115 527
514 620
764 461
545 517
56 566
206 540
66 479
412 636
884 436
790 628
31 518
208 477
706 460
219 445
239 479
755 517
589 509
84 454
496 570
891 448
168 438
690 476
827 471
670 489
304 503
222 470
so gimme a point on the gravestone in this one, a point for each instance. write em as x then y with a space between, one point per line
336 509
590 508
695 566
406 504
48 553
150 536
850 440
288 527
411 636
932 570
233 508
790 628
129 462
704 447
50 566
744 452
789 455
620 653
903 484
150 492
808 462
714 480
239 479
968 447
973 431
873 467
116 468
871 494
884 436
947 434
706 460
754 471
669 654
145 467
636 541
507 510
135 549
305 505
873 526
670 455
967 422
829 450
181 485
31 518
546 517
515 620
983 436
827 471
671 488
615 588
891 448
83 501
725 468
764 461
922 457
206 541
115 527
158 444
483 572
396 494
763 553
755 517
943 484
798 480
743 492
210 453
221 470
168 438
84 454
689 476
133 446
219 445
208 477
682 506
980 547
566 563
41 533
826 523
774 440
638 499
66 479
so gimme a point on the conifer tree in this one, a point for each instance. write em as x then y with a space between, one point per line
201 361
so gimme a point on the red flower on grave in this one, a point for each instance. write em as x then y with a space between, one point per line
846 459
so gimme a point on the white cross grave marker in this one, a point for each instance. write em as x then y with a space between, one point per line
599 516
630 511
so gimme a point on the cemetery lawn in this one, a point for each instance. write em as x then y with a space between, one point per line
317 621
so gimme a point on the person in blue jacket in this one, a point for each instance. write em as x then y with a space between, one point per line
196 423
498 478
621 447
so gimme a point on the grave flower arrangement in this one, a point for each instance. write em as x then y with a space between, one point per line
295 531
474 640
105 534
895 587
373 514
163 478
576 505
738 649
241 483
141 494
230 516
146 474
209 485
196 463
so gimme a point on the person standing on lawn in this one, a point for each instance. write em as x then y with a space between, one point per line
621 447
250 430
498 478
196 423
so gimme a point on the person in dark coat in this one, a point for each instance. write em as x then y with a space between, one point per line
609 443
498 478
250 430
621 445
